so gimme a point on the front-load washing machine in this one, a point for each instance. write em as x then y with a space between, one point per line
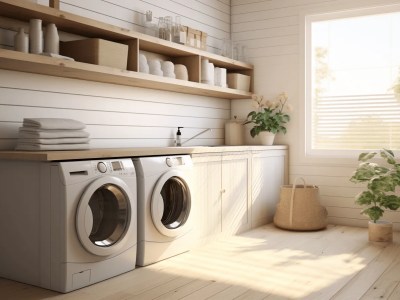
164 207
66 225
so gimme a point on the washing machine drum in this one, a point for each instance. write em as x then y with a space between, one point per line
170 204
104 216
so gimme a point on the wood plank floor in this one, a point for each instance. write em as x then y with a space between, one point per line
265 263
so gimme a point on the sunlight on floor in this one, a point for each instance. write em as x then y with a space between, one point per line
277 268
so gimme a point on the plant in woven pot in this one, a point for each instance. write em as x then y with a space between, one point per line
270 117
381 194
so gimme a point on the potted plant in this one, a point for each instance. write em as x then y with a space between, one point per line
270 117
382 180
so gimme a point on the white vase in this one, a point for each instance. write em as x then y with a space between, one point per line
51 39
21 41
35 36
266 138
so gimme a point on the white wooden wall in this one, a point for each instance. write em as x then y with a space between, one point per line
120 116
271 29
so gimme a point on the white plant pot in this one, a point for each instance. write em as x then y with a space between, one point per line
266 138
381 231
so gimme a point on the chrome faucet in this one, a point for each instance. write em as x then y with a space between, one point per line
189 139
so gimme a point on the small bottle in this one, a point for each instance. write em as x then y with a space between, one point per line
227 48
178 141
168 26
162 29
21 41
150 27
179 32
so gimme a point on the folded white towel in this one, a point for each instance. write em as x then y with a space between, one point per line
53 123
54 141
31 133
40 147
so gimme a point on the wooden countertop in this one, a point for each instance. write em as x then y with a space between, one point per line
126 152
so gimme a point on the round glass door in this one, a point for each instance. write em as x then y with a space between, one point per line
104 216
107 216
171 204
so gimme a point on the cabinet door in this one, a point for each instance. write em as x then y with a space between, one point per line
207 196
268 174
235 193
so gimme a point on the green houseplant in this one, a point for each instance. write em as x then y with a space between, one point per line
382 180
270 116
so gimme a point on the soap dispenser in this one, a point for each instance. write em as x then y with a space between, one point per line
178 137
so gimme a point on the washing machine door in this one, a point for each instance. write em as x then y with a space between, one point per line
104 215
171 203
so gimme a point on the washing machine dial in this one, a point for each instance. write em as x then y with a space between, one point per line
102 167
169 162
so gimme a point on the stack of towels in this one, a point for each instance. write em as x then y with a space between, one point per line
52 134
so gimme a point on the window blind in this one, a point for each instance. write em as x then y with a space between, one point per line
356 122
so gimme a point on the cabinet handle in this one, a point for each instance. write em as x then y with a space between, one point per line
223 191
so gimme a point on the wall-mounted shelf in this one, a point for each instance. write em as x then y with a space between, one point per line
67 22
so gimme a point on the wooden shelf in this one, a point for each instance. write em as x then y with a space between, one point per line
32 63
17 61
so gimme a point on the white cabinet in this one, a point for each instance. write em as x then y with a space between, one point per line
221 194
235 192
207 196
269 172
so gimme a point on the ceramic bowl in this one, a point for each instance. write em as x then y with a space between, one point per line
181 72
155 67
167 68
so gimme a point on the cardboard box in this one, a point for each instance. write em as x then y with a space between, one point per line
97 51
239 81
193 38
196 38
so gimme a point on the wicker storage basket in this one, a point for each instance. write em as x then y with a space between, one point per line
299 208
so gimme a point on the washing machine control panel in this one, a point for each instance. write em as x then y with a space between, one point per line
119 166
174 161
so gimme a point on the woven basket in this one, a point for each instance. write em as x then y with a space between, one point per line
299 208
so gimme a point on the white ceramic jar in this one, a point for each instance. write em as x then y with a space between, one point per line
35 36
181 72
51 39
21 41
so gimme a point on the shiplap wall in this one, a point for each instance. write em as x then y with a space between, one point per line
272 31
120 116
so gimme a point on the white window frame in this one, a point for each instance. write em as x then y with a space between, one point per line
307 74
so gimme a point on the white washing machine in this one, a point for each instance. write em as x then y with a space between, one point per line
164 207
67 225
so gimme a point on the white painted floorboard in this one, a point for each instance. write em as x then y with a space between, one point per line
265 263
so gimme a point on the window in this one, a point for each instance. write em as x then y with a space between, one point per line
352 64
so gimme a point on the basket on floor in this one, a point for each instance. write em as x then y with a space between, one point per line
299 208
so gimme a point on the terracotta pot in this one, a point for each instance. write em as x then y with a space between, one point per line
266 138
381 231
